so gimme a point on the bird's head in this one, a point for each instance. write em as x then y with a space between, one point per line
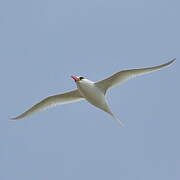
77 78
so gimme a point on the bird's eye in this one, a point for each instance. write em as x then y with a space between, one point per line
81 78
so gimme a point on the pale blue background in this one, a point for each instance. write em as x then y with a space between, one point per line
42 43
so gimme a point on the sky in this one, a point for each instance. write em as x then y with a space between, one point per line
42 43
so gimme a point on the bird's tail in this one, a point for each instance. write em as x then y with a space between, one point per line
118 120
108 110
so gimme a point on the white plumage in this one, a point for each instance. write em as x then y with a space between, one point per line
93 92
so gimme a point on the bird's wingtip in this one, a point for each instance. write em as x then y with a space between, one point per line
173 60
14 118
170 62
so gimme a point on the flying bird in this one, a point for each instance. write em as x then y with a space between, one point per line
93 92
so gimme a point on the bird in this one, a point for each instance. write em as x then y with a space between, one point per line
93 92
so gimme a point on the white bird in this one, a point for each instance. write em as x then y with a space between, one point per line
93 92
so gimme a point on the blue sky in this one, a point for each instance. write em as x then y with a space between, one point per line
42 43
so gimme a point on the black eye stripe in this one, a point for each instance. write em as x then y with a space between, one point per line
81 78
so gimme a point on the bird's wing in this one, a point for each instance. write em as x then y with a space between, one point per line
122 76
51 101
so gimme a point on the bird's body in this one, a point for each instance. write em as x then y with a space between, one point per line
93 92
